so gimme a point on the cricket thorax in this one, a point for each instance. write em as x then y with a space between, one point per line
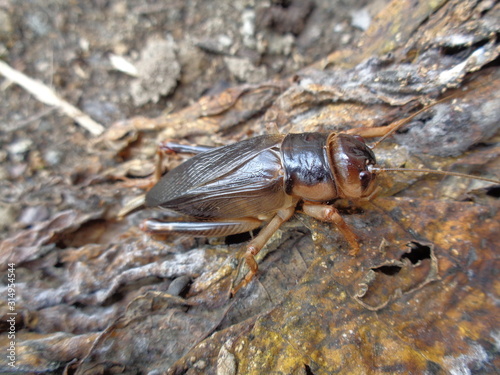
307 169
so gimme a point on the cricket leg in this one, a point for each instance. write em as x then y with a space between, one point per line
177 148
148 182
219 228
259 242
168 147
330 214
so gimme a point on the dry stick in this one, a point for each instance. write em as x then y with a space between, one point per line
48 96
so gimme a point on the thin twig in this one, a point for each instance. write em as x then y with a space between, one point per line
48 96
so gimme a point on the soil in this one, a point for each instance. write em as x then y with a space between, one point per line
201 48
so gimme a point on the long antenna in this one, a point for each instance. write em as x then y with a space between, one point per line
406 120
376 169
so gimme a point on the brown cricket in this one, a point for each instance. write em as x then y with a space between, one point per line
236 188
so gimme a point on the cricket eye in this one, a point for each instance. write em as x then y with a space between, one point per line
365 178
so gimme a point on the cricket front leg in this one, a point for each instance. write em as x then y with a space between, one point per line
330 214
259 242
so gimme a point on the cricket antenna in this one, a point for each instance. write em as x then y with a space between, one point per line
398 124
376 169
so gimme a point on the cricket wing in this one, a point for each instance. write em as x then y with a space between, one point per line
244 179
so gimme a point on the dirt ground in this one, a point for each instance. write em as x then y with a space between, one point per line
96 295
69 46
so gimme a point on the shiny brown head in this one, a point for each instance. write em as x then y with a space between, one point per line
351 160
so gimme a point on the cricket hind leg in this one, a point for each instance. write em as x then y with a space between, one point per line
164 148
177 148
168 147
223 228
216 228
